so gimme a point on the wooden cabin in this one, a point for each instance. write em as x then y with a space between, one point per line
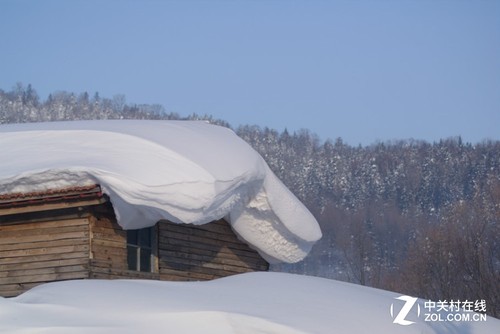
72 233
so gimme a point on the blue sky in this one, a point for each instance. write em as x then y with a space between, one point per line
362 70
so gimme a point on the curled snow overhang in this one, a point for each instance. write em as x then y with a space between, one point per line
186 172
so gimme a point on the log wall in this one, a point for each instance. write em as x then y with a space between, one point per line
185 252
80 243
38 252
203 252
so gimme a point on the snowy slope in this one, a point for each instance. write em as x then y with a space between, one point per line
246 303
190 172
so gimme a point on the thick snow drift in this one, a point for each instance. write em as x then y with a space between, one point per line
186 172
246 303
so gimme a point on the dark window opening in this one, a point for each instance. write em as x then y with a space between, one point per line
140 249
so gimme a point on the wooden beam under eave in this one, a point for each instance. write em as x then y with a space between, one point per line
50 206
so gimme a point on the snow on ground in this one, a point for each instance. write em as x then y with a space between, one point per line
247 303
183 171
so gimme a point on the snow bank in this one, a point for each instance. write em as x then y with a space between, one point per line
186 172
247 303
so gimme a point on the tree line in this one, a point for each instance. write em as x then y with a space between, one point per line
22 104
410 216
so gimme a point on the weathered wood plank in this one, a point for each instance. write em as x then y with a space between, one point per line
212 249
221 252
49 206
106 232
116 263
200 239
214 258
44 251
51 277
220 263
45 216
204 229
41 231
43 271
83 260
105 223
197 265
101 251
42 225
43 244
193 271
97 272
219 226
41 238
191 231
109 243
202 248
69 254
108 237
108 264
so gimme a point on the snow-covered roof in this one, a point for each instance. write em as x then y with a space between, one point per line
183 171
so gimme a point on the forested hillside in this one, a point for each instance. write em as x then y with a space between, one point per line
410 216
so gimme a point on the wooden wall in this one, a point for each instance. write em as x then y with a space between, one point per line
203 252
108 257
185 252
87 242
32 253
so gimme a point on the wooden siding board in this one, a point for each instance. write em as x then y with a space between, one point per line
106 223
109 243
37 252
41 231
43 271
210 251
45 217
21 226
77 260
195 265
105 263
195 233
111 252
48 257
204 248
108 233
60 275
201 239
44 251
13 241
43 244
219 226
204 261
216 256
48 207
106 273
